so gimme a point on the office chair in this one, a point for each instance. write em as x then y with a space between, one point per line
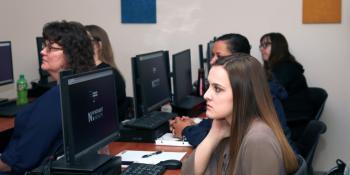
302 170
318 97
308 142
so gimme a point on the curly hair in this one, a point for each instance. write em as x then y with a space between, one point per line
74 40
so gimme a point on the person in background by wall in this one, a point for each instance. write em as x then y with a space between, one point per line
38 127
246 136
103 56
289 72
226 45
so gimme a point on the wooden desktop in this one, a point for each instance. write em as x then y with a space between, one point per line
117 147
6 123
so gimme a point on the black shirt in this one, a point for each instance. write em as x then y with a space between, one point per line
291 76
120 91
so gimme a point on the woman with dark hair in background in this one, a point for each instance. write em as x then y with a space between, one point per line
103 56
38 127
229 43
279 62
246 136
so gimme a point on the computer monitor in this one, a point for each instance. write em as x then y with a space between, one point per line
6 68
182 76
151 81
89 118
201 56
44 75
210 47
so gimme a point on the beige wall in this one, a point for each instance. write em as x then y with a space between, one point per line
323 49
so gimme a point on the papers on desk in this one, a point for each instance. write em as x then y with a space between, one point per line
136 156
169 140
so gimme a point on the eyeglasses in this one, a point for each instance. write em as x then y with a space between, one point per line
49 47
264 45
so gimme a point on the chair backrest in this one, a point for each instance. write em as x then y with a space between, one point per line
308 142
302 170
318 97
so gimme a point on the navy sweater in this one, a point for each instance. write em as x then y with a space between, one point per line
37 133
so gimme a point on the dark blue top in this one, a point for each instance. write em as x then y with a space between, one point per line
37 133
196 133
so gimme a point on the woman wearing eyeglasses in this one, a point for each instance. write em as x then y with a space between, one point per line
37 134
288 71
103 56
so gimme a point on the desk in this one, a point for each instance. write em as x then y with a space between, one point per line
117 147
6 123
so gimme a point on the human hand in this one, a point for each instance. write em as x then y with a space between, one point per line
178 124
220 129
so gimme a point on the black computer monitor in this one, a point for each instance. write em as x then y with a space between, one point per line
201 56
151 81
182 76
44 75
210 47
89 118
6 68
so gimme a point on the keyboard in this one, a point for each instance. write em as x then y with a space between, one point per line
150 121
10 109
143 169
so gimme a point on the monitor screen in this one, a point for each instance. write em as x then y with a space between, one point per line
201 56
151 81
6 69
182 75
210 47
89 112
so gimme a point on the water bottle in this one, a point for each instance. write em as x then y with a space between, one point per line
22 90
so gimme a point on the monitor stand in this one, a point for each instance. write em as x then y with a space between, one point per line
111 167
86 163
129 134
190 106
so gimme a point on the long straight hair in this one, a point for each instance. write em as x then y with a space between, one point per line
105 52
251 100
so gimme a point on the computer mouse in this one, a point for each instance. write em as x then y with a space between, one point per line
171 164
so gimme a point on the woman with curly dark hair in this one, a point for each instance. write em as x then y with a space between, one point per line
38 129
